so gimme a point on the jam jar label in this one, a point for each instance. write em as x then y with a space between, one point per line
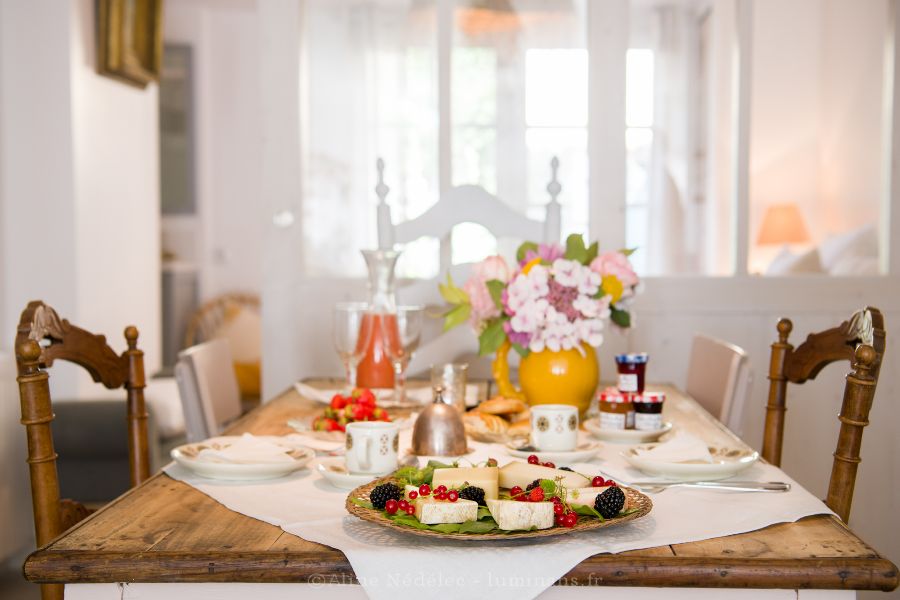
648 421
628 382
610 420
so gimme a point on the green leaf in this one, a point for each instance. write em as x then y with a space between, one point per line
496 287
362 503
523 250
409 520
592 252
491 338
628 251
451 293
483 512
575 249
457 315
627 512
549 487
620 317
587 510
523 352
446 527
478 526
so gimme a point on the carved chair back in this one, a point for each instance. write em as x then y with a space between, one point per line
860 340
41 339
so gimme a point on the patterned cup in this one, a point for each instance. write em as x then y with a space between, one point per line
554 427
372 447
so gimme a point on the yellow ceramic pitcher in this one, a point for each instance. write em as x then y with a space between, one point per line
547 377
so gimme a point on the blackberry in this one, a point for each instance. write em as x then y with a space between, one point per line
382 493
475 494
532 485
610 502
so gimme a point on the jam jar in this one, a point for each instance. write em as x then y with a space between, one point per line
648 411
631 372
616 410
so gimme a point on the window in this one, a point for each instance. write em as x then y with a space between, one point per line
516 97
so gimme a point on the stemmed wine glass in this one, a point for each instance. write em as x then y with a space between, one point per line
400 333
352 335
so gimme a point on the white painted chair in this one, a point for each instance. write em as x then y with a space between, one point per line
467 204
209 389
719 378
461 204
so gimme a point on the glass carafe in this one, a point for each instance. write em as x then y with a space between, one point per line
375 370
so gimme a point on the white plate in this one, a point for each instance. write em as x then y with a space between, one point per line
583 452
626 436
186 456
334 470
726 463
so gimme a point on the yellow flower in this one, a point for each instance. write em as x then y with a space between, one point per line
529 264
613 287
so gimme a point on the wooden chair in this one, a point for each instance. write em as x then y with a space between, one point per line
719 378
860 340
235 317
41 339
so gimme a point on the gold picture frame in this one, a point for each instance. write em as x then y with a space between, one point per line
129 40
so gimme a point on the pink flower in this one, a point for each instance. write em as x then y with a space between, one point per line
493 267
615 263
483 307
546 252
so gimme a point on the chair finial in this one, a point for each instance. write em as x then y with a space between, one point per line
381 189
131 336
865 357
29 351
784 330
554 187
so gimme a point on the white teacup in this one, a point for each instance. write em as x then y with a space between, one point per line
372 447
554 427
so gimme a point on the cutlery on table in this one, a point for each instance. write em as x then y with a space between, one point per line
737 486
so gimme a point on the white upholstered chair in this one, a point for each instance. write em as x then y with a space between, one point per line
209 389
719 378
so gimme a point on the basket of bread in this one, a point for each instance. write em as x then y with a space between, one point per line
498 420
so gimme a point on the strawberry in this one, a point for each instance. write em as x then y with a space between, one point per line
333 425
366 397
338 402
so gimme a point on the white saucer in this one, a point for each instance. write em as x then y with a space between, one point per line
186 456
726 463
334 470
583 452
625 436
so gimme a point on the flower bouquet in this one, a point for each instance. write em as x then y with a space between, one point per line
554 303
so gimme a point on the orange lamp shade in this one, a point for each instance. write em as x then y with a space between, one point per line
783 224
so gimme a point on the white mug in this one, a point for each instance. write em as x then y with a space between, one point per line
372 447
554 427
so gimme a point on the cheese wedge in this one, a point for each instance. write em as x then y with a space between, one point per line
511 515
521 474
584 495
434 512
455 478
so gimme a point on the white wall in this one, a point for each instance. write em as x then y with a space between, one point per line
79 198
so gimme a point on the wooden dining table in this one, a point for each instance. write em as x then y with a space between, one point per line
166 532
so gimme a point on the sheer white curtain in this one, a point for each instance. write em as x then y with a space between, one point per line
370 91
671 241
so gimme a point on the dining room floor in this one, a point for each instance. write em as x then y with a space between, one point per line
13 586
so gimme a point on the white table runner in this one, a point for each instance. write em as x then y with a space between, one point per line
387 562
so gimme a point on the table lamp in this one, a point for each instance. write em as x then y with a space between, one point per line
783 224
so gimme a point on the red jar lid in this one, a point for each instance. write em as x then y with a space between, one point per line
649 397
614 396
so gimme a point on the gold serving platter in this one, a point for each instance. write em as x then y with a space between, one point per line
641 504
